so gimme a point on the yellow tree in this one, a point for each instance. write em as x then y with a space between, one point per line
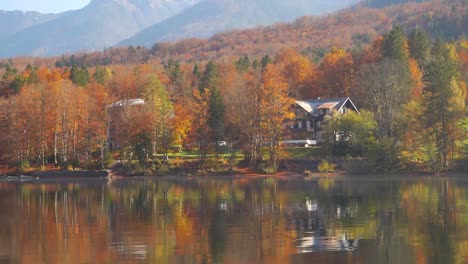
161 109
274 109
200 130
298 71
337 73
182 121
96 119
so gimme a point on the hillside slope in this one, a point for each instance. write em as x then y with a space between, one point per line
213 16
353 27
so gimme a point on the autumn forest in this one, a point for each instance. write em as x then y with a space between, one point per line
407 79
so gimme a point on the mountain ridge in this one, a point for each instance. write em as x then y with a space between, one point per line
100 24
353 27
213 16
20 20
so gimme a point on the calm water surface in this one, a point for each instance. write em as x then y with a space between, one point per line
359 220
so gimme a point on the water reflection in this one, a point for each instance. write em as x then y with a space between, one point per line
235 221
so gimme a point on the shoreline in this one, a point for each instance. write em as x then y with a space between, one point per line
242 173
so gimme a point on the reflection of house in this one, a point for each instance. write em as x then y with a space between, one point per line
314 243
318 233
311 114
120 113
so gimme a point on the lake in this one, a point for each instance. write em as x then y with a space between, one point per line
209 220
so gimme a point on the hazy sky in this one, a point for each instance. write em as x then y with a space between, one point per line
43 6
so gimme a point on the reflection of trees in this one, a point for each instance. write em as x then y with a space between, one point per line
436 216
214 221
152 220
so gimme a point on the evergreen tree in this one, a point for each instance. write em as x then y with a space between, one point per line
243 64
443 99
18 83
10 73
196 71
265 61
79 76
33 78
255 64
394 45
209 77
419 45
176 77
102 75
216 114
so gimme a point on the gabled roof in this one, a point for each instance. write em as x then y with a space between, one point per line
127 102
327 103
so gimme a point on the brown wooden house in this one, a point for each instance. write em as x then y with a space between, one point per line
310 116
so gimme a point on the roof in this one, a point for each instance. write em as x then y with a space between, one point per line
327 103
127 102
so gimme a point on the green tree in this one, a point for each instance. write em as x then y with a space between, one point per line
394 45
32 72
216 114
176 78
102 75
463 142
243 64
357 132
10 73
419 45
18 82
79 76
350 134
209 79
265 61
196 70
443 98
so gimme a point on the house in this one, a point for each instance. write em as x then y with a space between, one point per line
310 115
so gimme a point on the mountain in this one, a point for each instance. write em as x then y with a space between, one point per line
212 16
19 20
354 28
100 24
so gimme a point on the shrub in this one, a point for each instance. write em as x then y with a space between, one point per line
384 156
356 166
326 167
264 167
22 165
108 159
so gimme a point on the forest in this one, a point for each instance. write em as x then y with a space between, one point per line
409 84
409 87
